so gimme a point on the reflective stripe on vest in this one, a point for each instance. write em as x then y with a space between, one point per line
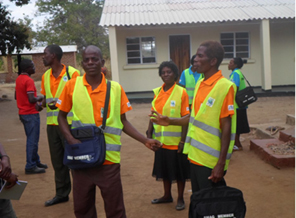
170 135
52 115
203 141
84 116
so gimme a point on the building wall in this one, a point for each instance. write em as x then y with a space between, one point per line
10 74
282 52
137 78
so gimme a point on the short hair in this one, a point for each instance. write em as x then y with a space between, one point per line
95 48
171 65
192 59
239 62
57 50
25 64
214 50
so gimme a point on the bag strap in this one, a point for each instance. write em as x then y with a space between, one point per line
67 71
106 105
246 79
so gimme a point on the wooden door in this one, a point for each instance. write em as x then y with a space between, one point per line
180 51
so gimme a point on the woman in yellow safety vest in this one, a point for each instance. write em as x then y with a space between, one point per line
242 124
170 164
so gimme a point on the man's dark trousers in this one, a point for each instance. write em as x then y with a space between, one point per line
62 173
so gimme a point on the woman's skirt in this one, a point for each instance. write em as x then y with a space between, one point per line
242 124
170 165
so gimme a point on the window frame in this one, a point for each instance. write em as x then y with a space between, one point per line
234 45
140 49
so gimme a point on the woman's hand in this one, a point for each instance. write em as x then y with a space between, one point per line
159 119
11 181
153 144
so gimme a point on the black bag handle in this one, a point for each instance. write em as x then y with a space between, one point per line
106 105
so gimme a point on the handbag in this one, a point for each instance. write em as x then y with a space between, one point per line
91 152
217 202
245 96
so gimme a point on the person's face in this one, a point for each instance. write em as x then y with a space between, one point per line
31 69
92 62
47 57
203 62
231 65
167 75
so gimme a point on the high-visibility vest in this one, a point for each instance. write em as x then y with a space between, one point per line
83 115
242 83
170 135
52 115
203 141
190 84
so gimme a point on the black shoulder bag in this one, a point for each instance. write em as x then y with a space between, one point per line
91 152
245 96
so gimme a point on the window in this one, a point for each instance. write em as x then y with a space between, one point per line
140 50
235 44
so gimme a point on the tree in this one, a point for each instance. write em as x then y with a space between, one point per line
72 22
13 35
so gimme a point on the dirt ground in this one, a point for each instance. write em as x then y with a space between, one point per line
269 192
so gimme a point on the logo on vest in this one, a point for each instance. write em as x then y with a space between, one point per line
230 107
102 112
210 101
173 103
65 78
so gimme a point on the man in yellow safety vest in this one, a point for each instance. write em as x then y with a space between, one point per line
212 123
86 97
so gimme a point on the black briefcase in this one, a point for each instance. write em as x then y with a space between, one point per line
217 202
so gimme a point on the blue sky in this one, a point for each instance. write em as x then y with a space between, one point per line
21 12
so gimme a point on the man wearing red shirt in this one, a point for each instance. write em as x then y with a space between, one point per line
26 98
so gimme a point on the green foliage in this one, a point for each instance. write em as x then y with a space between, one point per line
13 36
72 22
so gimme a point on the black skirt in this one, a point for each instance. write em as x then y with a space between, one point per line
242 124
171 165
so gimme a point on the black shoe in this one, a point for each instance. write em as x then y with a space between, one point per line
41 165
35 170
56 200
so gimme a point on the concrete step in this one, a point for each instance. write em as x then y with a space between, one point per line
290 119
261 148
287 135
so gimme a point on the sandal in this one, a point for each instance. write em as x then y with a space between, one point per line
236 148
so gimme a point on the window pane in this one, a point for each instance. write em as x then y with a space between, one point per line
149 60
242 54
230 55
242 35
147 39
227 42
241 48
133 54
134 61
132 40
227 35
242 41
228 48
133 47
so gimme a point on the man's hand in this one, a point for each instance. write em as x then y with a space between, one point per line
217 173
153 144
11 181
159 119
5 170
52 104
73 141
38 106
180 147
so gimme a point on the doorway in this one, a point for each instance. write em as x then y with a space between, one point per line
180 51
